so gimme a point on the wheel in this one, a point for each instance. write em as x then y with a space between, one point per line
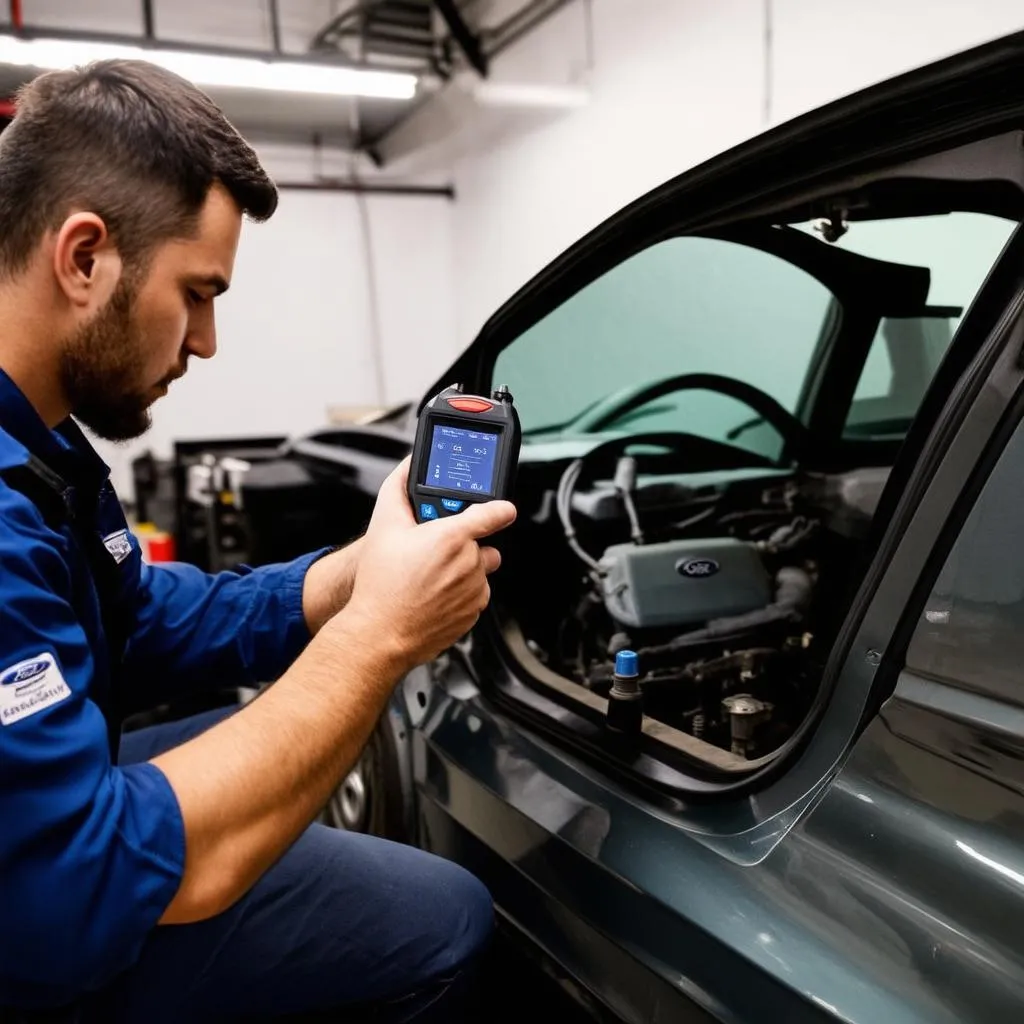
370 797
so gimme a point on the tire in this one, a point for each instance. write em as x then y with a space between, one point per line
370 798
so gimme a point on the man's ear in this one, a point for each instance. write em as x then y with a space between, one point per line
86 263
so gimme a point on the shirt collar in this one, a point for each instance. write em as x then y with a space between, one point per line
64 449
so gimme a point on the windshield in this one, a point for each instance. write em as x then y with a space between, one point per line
704 305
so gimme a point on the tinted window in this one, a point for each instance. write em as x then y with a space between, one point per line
971 632
686 305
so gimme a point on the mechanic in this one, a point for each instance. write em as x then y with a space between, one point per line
182 879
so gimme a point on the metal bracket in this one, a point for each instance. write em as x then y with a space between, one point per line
468 42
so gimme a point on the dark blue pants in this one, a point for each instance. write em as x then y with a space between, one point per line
368 929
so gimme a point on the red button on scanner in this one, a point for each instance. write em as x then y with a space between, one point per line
470 404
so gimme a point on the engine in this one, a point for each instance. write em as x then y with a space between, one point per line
731 601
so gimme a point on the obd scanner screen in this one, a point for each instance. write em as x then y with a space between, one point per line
462 460
466 450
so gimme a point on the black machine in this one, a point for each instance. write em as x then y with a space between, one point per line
466 450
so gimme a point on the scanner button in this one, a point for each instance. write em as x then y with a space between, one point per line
471 404
427 511
452 504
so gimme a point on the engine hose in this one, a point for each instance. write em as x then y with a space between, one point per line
563 505
787 538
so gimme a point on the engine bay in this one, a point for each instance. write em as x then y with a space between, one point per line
730 585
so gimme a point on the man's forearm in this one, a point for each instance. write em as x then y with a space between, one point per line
328 585
249 786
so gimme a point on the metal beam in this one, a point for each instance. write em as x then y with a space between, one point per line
368 187
463 35
525 20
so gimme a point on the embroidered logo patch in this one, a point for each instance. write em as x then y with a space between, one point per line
29 687
119 545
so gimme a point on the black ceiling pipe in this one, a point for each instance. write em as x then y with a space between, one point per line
275 26
461 33
148 24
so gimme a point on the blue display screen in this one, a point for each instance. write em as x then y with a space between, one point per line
462 460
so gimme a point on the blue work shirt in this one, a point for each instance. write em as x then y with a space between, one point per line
91 854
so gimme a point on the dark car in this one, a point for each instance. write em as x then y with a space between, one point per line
811 350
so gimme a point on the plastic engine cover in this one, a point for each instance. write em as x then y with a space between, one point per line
683 582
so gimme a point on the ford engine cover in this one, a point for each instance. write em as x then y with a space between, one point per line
683 582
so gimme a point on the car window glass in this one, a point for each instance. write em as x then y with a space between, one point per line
958 249
971 632
876 377
686 305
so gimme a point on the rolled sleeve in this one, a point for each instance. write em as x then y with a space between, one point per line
293 579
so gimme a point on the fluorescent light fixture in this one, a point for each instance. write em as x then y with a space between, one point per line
538 97
210 69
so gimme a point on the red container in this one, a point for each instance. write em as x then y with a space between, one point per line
161 547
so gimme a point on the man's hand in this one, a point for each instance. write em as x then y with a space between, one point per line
419 587
328 585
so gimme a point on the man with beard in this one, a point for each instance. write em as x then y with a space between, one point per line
173 874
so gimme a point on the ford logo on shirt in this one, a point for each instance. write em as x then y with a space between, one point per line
25 678
697 568
23 673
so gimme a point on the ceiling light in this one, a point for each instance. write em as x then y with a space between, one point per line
212 69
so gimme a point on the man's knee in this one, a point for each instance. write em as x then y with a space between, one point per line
464 921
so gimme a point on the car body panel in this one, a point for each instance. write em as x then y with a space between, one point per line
838 922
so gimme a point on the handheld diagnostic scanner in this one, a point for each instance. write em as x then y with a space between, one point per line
466 450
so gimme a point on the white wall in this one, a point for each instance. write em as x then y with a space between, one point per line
673 82
829 48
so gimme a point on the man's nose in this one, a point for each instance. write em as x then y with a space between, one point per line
202 338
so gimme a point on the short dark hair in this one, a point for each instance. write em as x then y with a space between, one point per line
128 140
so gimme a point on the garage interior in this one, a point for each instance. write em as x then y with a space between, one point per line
407 222
473 143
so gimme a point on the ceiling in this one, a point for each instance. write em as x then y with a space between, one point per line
437 40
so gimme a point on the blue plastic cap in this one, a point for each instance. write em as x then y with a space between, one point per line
627 664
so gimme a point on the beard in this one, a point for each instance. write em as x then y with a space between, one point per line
102 367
